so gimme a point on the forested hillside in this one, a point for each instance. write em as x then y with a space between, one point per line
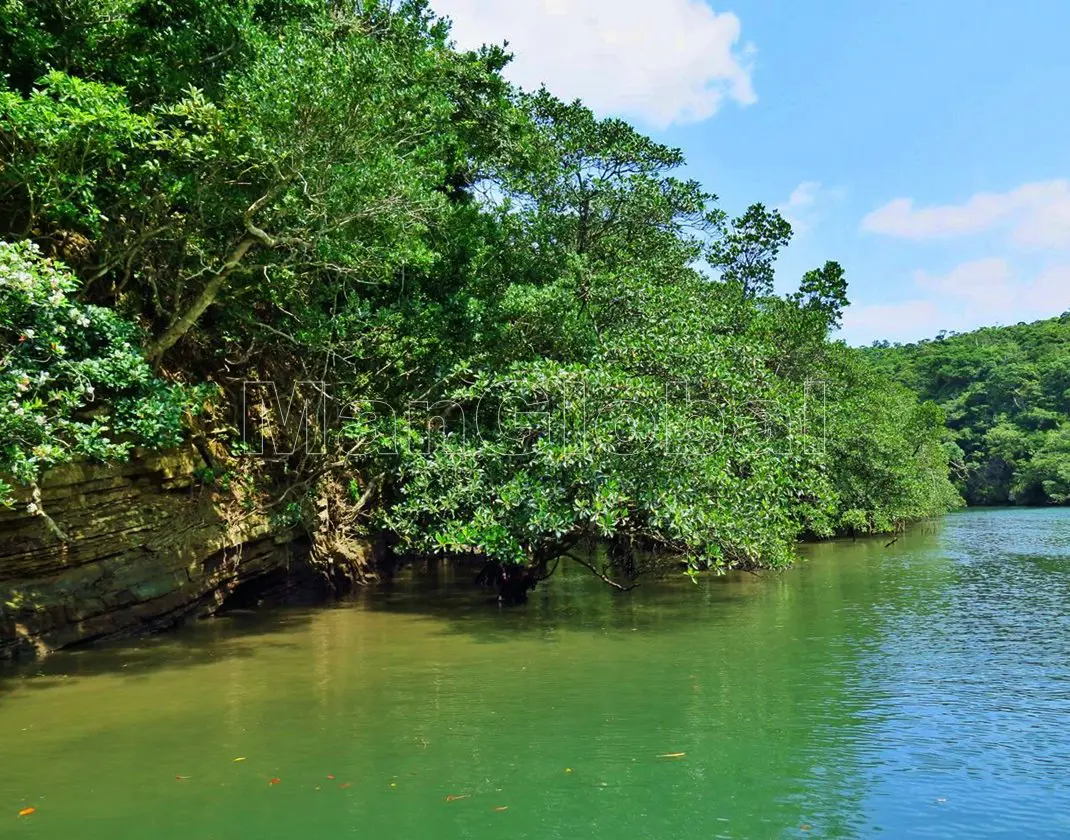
1006 393
497 291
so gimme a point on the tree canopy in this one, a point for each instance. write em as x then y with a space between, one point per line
529 330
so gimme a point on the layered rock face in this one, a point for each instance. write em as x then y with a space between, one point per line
133 548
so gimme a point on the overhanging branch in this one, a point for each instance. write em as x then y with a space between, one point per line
601 575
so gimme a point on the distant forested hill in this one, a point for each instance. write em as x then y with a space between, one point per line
1006 392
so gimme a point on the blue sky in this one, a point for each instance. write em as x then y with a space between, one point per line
924 145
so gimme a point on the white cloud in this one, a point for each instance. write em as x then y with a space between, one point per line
673 61
804 195
891 321
976 293
1047 224
1035 215
985 285
1005 289
807 204
1051 289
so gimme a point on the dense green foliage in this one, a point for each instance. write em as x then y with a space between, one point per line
1006 393
497 290
73 381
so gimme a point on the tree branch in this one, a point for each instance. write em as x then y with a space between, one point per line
253 236
182 324
601 575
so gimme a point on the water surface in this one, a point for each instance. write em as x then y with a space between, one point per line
920 689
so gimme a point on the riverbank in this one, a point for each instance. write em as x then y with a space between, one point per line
106 551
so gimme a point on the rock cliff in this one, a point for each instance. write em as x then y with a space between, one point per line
133 548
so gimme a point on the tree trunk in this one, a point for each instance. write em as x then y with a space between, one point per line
182 324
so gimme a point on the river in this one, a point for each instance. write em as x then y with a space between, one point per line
920 689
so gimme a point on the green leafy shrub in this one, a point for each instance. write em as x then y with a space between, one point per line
73 381
72 152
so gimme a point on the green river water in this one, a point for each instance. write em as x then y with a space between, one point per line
915 690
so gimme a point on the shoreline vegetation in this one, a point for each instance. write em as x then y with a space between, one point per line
333 199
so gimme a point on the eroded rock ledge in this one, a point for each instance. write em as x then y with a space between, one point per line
143 546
